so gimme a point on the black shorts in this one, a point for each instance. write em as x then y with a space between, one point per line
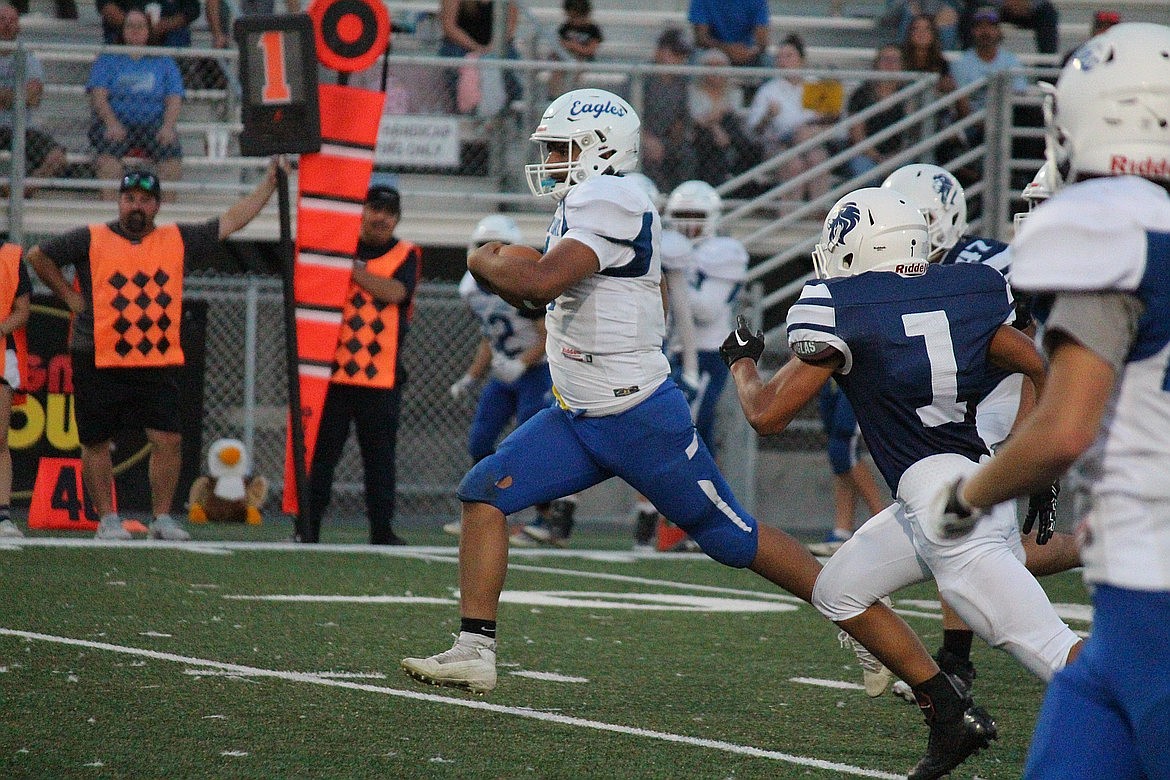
106 400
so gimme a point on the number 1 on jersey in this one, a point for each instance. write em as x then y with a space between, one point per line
935 330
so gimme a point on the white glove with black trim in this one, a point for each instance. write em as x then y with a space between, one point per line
951 516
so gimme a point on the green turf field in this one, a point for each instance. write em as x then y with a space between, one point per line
238 656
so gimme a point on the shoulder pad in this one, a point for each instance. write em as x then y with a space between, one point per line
676 251
722 257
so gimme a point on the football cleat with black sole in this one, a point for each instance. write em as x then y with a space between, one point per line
953 743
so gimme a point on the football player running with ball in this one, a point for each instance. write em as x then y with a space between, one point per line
618 413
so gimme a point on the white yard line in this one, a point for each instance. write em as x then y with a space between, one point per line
520 712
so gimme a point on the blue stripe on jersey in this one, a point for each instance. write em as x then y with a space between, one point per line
919 347
643 247
1153 328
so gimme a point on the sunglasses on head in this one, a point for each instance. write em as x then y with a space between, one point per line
145 181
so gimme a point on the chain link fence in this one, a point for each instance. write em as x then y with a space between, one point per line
246 397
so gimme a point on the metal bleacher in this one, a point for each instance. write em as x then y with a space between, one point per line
443 206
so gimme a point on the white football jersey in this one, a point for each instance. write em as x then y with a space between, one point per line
1113 235
605 332
719 267
507 330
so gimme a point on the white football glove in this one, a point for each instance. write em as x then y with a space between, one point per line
951 516
461 389
507 369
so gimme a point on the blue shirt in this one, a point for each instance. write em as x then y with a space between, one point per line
970 67
138 87
916 351
730 21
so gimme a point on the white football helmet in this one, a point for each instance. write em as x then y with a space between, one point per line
596 131
938 195
1042 187
872 229
693 209
1110 111
496 227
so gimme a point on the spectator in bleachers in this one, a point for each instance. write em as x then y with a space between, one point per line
467 30
44 156
944 13
218 12
889 58
1039 16
780 120
667 129
136 101
170 19
723 145
579 37
738 28
922 51
66 9
986 56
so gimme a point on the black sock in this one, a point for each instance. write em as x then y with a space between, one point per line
937 698
476 626
957 642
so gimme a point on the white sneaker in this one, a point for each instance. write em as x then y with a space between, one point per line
110 527
469 664
455 528
874 673
164 527
8 530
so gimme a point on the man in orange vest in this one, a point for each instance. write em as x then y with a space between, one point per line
15 287
367 379
124 348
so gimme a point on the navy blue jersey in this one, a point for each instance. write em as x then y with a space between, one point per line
915 355
976 249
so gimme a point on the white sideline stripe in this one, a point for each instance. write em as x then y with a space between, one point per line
549 676
565 720
325 675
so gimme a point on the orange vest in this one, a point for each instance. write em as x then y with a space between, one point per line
137 298
9 280
367 346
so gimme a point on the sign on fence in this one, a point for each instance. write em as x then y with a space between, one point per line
418 142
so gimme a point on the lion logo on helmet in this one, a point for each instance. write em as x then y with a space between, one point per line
846 218
945 187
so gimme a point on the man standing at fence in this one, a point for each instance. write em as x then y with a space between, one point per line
366 385
125 345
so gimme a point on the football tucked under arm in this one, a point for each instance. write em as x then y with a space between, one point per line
482 269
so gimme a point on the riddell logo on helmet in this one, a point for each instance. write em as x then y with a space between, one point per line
914 268
1120 164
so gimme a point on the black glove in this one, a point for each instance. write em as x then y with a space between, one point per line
740 343
1042 507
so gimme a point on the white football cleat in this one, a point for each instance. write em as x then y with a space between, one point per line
469 664
874 673
110 527
8 530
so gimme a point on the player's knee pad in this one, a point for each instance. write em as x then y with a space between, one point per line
481 484
730 541
839 599
840 454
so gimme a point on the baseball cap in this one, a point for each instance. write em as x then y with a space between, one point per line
987 13
1106 18
384 195
142 180
676 40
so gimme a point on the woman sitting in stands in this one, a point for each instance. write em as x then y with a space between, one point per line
468 30
136 100
888 58
779 118
723 145
922 51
